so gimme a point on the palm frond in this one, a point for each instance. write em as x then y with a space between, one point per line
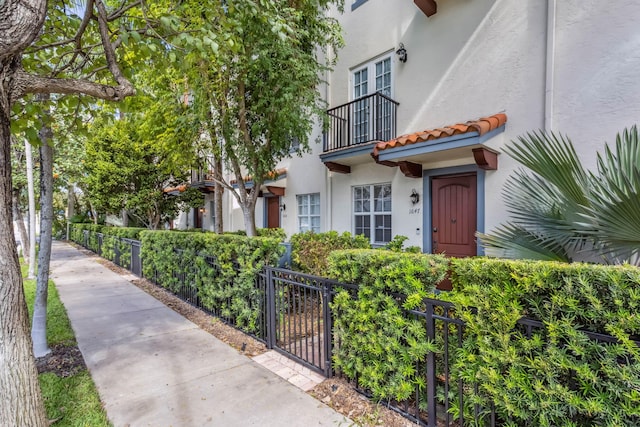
517 242
553 157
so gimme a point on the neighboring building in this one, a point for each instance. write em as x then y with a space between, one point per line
413 146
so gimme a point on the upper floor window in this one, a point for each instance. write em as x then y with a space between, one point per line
372 212
372 117
374 76
308 212
357 3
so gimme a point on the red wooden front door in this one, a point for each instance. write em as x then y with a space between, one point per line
273 212
454 215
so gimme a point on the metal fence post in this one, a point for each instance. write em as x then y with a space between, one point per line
271 309
116 250
431 368
327 294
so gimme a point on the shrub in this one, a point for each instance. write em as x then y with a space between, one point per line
113 245
76 234
397 245
277 233
310 251
222 269
557 374
380 343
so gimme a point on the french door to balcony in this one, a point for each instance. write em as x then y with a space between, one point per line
372 117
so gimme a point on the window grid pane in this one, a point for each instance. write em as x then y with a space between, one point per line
309 212
381 215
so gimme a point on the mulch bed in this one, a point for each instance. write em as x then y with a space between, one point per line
64 361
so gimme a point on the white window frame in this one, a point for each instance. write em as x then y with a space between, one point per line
375 212
365 113
371 75
304 200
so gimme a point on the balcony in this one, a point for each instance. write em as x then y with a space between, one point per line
202 179
370 118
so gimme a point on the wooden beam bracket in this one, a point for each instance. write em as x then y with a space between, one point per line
428 7
410 170
485 158
277 191
337 167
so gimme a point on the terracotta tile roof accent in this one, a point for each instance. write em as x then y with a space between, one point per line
270 176
482 126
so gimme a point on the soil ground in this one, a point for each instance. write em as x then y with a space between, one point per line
335 392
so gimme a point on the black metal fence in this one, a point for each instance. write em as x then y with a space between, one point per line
294 316
126 252
370 118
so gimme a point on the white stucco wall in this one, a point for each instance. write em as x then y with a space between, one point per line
476 58
597 72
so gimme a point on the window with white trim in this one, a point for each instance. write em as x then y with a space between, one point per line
357 3
374 76
308 212
372 212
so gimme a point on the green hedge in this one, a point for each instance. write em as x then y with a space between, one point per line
277 233
310 251
111 240
113 244
225 282
559 375
76 234
379 343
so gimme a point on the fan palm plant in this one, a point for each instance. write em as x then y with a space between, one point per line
559 210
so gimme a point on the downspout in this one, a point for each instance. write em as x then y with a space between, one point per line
328 173
550 65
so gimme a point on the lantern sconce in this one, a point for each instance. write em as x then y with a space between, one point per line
414 196
402 53
283 207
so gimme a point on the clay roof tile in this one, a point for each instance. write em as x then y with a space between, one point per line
482 126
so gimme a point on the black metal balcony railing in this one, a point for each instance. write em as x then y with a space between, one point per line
200 175
370 118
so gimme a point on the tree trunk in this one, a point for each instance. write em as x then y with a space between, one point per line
32 211
249 221
39 324
217 196
22 403
18 219
125 217
248 206
71 206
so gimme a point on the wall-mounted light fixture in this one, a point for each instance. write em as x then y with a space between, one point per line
402 53
283 207
414 197
201 210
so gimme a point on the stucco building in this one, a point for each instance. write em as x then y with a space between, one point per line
421 107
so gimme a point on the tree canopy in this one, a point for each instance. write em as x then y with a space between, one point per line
128 169
253 71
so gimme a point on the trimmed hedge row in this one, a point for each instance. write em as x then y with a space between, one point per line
579 365
379 343
113 247
310 251
560 375
222 268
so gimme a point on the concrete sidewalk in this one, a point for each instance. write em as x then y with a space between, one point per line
153 367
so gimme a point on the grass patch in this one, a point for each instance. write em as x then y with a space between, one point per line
71 401
58 326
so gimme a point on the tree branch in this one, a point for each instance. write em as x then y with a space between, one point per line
122 10
109 50
31 83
